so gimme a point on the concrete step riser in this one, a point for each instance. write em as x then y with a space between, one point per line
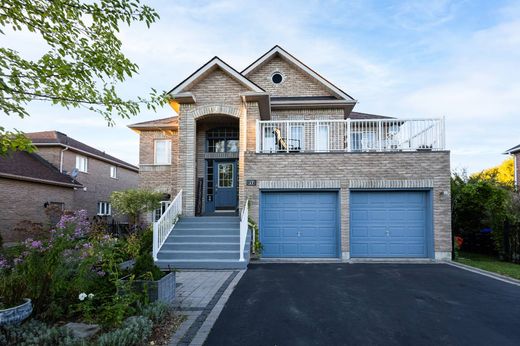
211 219
198 256
205 232
203 239
203 247
201 265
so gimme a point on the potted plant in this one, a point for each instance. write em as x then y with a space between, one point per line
14 306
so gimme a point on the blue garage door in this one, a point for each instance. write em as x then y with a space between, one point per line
388 224
299 224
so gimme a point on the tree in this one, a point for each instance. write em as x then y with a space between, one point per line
503 174
134 201
82 66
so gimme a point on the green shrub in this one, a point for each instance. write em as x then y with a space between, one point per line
36 333
145 268
135 331
155 311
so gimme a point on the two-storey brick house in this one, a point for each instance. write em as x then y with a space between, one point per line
62 172
321 180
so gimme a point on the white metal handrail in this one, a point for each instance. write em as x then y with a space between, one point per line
244 217
348 135
163 227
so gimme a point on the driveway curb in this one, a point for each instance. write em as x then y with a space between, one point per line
484 272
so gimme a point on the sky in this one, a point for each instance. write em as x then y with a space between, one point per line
412 59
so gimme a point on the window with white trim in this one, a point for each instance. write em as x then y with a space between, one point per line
104 208
159 211
113 172
322 137
162 152
82 163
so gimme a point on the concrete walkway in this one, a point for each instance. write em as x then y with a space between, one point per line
201 295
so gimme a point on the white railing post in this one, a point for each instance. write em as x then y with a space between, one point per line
259 139
163 227
244 223
379 134
348 136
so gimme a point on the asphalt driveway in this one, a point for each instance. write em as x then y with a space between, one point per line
368 304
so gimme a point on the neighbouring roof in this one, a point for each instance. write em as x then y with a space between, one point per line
279 51
50 138
513 150
361 116
170 123
22 165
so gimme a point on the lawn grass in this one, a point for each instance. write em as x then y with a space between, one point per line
490 263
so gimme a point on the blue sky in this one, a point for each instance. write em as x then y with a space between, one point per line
458 59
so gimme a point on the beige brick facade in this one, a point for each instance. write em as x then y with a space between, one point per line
217 101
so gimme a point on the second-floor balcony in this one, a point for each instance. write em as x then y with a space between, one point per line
385 135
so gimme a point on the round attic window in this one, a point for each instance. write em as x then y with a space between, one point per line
277 78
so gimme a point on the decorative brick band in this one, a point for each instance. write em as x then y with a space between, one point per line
216 109
390 184
311 184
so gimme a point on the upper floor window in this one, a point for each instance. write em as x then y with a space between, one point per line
322 137
104 208
163 152
82 163
222 140
113 172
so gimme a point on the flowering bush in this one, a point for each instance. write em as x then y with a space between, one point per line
75 273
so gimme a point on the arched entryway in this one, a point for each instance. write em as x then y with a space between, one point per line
217 164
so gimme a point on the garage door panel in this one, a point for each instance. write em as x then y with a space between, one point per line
388 224
306 224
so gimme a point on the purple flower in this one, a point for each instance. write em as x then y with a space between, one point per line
100 273
4 264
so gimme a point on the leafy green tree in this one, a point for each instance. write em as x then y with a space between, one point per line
134 201
82 66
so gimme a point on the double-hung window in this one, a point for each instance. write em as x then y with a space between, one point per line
82 163
163 152
113 172
363 140
104 209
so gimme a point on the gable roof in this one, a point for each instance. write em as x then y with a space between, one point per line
56 138
170 123
277 50
21 165
513 150
215 62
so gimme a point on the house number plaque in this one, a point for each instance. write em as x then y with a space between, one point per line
251 182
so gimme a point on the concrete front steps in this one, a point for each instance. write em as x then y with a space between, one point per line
206 242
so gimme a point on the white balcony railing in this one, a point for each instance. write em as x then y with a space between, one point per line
349 135
244 224
163 227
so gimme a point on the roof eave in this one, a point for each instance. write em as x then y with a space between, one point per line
264 103
115 163
37 180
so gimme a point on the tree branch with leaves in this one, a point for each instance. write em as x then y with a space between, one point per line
82 66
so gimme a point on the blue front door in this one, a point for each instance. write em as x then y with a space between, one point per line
389 224
224 178
299 224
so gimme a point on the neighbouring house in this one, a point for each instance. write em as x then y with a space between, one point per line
282 145
515 152
63 173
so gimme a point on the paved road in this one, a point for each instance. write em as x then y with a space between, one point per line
368 304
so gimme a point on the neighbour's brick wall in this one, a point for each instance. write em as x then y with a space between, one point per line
98 182
24 201
296 82
517 168
51 154
343 167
